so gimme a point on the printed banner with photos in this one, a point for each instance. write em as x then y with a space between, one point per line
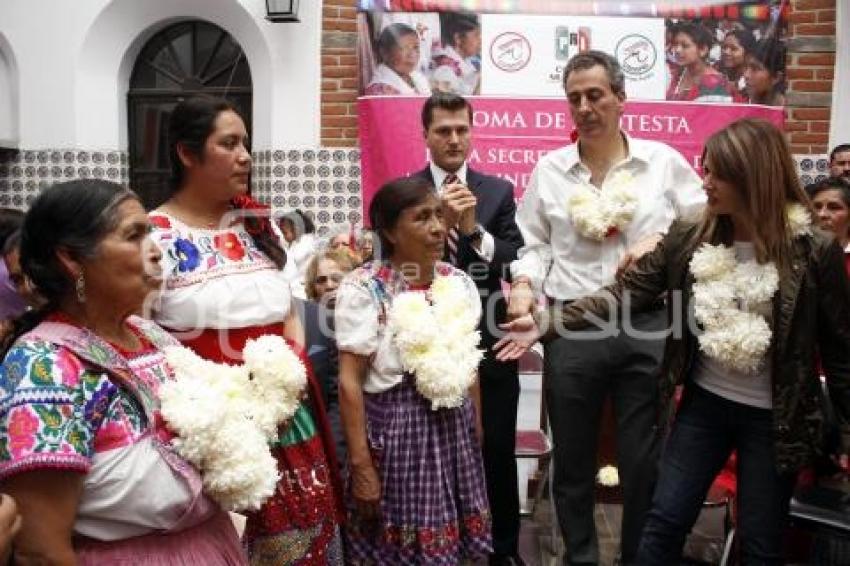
726 58
511 134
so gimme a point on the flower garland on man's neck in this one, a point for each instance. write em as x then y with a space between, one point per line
600 213
727 294
437 340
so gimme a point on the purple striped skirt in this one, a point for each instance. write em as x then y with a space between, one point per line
433 497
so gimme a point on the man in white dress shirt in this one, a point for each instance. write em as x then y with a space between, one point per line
590 210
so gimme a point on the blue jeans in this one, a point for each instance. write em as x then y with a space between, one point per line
706 431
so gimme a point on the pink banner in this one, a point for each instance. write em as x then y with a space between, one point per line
510 134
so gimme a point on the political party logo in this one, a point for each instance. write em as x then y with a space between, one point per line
510 51
636 54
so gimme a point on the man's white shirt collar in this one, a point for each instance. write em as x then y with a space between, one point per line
634 151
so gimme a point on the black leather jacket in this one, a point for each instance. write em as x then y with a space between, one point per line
811 319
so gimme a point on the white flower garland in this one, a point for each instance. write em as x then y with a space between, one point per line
225 416
727 292
598 214
437 341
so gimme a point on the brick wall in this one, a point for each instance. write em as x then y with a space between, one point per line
339 73
810 67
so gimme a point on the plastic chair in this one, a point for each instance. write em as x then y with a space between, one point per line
535 444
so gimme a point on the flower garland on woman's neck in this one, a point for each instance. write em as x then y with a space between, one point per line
437 340
727 294
600 213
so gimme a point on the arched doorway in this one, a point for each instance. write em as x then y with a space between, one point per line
182 60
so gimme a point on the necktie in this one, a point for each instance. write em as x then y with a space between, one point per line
452 234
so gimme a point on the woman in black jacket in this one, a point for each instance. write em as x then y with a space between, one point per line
754 292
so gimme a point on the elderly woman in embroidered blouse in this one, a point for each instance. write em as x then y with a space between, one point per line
397 74
227 279
405 328
82 446
766 290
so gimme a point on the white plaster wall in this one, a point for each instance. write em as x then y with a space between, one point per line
75 58
839 129
8 95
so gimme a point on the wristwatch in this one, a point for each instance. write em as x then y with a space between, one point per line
476 234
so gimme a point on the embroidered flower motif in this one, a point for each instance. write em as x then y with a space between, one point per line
95 408
188 256
601 213
160 221
69 367
437 341
23 426
229 246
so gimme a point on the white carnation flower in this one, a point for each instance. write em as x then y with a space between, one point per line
799 219
437 342
608 476
755 282
225 415
711 262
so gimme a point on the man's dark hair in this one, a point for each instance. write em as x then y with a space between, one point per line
446 101
840 148
593 58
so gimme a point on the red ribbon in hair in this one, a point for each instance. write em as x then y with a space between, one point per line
256 216
574 136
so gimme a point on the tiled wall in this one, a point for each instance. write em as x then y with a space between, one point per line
812 168
24 173
322 182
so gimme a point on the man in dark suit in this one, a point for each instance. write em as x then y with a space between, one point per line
483 239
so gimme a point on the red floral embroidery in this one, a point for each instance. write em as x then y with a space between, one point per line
612 231
23 426
229 246
160 221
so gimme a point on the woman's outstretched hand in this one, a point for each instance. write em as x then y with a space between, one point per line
522 333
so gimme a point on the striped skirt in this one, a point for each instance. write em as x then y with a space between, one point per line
433 497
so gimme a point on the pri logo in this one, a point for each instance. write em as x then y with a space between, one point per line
636 54
510 51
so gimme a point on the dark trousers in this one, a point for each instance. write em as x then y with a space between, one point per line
499 399
579 375
706 430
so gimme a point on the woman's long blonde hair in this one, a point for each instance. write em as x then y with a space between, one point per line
754 157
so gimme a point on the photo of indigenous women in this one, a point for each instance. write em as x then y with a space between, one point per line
419 53
728 60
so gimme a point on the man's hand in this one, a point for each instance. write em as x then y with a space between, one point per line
459 207
522 333
637 251
521 300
